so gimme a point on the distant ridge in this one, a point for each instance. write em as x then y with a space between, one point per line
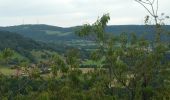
48 33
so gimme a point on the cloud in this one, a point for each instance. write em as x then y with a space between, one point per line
72 12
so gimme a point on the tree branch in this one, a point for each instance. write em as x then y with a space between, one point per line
157 7
143 1
145 7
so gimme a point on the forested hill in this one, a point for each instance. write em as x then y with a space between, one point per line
20 44
16 41
43 32
49 33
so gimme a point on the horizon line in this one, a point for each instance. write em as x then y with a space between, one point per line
79 25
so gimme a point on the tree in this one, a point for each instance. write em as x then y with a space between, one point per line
152 7
6 54
159 50
58 64
133 65
73 58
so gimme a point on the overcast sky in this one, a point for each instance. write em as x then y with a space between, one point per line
67 13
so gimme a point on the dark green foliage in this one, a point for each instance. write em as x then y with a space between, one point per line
40 32
73 58
21 45
134 64
6 54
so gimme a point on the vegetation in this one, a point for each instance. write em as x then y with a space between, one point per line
120 67
23 46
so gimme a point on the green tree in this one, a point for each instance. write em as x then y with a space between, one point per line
58 65
6 54
152 7
73 58
132 65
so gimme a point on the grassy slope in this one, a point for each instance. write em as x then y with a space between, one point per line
6 70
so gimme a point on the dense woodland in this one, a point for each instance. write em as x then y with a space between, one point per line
124 66
22 45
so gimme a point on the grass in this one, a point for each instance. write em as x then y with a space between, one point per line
57 33
6 70
38 54
86 70
90 62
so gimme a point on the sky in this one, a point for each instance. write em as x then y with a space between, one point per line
66 13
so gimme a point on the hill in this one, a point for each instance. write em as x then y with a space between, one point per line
43 32
61 39
59 35
20 44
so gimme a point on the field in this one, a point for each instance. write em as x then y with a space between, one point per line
6 70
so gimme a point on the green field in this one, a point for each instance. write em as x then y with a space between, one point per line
57 33
6 70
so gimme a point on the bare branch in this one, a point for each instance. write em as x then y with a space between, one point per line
157 7
150 3
153 11
153 1
143 2
152 14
